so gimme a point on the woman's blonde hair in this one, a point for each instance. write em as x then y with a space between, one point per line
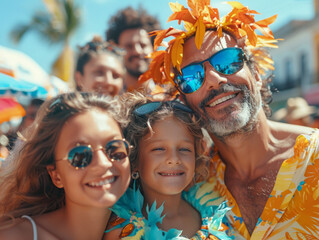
26 187
136 127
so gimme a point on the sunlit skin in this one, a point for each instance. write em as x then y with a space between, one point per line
103 73
89 192
93 128
138 45
214 80
253 158
166 165
166 161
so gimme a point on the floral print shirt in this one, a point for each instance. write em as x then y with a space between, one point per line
135 226
292 209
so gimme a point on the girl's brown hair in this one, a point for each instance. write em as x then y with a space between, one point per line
136 127
26 187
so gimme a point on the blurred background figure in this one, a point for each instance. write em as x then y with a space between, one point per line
31 112
100 68
4 152
297 111
24 85
315 123
129 30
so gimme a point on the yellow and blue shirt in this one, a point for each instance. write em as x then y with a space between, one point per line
134 226
292 209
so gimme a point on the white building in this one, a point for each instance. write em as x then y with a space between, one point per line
297 61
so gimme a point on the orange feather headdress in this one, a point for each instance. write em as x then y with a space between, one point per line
199 17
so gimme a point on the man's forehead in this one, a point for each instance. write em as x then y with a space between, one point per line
107 61
134 35
211 44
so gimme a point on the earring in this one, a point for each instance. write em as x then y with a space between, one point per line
135 175
194 178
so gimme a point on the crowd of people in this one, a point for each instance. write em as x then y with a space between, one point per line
202 160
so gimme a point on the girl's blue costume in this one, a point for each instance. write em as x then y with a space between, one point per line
135 226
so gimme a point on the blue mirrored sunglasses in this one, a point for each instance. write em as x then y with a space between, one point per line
227 61
81 156
150 107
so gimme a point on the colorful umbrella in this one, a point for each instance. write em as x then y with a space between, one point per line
10 108
29 78
15 87
23 67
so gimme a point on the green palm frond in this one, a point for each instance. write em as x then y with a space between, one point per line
40 23
72 20
56 25
17 34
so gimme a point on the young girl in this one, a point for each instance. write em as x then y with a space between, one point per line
165 160
71 168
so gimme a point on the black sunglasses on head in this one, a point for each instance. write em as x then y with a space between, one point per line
150 107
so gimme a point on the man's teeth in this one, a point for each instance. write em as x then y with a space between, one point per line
101 183
223 99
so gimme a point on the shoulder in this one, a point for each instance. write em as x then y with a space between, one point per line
113 235
22 230
119 227
115 222
284 130
51 225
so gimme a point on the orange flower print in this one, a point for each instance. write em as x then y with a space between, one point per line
312 174
272 207
304 209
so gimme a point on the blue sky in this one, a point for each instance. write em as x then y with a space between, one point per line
96 13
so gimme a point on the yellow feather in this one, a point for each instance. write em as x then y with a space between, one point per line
177 52
200 32
176 7
236 4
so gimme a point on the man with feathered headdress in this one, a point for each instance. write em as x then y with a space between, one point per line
267 171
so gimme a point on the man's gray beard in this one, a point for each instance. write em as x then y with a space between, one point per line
244 121
136 72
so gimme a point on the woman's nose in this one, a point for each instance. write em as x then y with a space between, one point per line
101 159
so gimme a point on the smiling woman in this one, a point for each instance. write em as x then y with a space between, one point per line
100 68
71 168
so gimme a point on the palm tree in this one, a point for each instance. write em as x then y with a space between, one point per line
57 25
